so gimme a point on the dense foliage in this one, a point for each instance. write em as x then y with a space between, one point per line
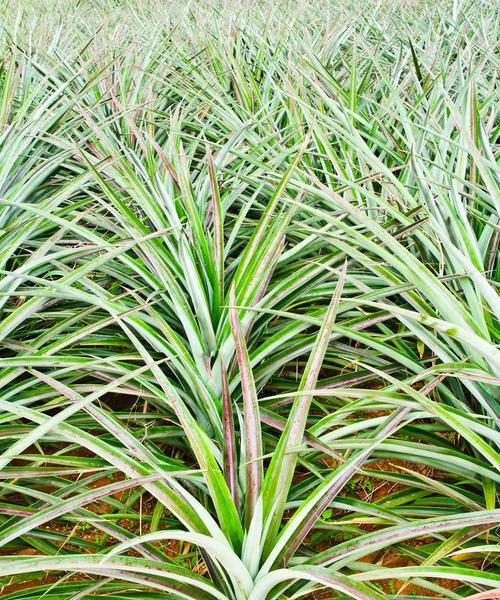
248 308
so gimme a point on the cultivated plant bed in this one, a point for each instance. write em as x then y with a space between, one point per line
248 308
